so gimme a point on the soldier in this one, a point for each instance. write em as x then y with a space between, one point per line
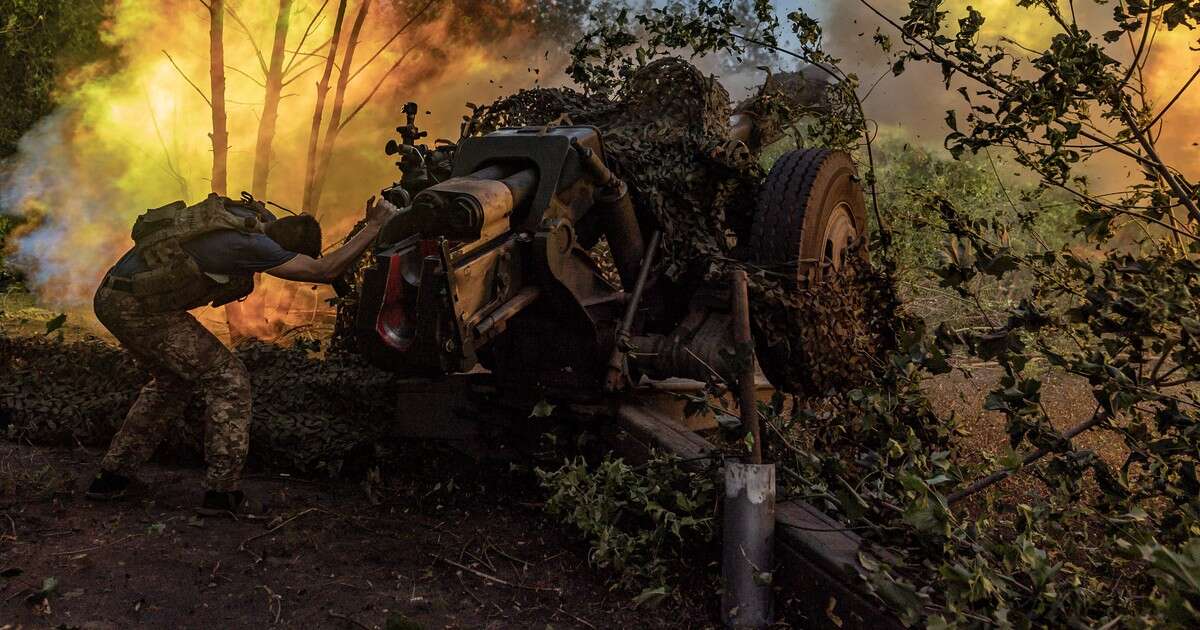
185 257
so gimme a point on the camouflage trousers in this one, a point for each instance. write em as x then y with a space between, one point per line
182 357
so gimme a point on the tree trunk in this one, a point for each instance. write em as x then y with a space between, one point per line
216 72
314 134
339 99
270 113
287 296
235 319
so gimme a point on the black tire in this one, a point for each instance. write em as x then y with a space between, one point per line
806 192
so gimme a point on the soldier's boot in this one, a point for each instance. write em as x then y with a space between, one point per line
233 504
110 486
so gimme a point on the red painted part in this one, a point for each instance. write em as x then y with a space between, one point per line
393 318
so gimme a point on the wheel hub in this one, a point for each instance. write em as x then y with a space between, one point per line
839 234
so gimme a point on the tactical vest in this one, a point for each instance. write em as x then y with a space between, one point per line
173 281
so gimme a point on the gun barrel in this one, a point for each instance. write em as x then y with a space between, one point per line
522 185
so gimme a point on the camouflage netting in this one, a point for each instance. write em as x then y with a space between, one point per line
660 135
666 134
309 413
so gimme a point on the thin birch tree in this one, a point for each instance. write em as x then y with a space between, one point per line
216 75
271 96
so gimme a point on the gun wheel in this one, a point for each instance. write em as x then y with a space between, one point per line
810 210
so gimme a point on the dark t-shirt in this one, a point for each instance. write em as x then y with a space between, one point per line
227 252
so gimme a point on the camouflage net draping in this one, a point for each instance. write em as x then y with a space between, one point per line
309 413
667 135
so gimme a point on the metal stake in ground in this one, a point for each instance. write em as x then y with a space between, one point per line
749 519
743 347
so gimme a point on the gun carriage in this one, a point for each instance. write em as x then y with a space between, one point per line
492 262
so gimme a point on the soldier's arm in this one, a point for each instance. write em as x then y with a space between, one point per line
330 267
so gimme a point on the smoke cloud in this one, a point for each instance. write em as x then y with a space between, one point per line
916 103
137 136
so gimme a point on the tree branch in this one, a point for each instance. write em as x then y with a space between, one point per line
307 31
946 58
1173 100
185 78
378 84
1181 190
247 75
301 73
391 39
1000 475
262 61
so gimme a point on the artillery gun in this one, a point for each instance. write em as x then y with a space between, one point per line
492 262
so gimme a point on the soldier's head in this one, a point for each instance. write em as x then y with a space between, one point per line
300 233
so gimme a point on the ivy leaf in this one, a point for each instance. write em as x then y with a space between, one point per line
542 409
729 422
651 597
999 265
56 323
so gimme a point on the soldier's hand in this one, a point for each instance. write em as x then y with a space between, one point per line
381 211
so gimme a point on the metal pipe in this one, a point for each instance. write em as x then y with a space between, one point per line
600 171
495 321
621 227
749 516
495 171
743 346
613 380
622 230
748 533
522 184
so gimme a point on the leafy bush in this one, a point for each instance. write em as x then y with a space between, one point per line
1099 544
39 39
643 522
8 275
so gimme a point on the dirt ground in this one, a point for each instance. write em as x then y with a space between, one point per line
442 542
1067 400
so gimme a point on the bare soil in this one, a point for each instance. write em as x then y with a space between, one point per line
442 542
1067 400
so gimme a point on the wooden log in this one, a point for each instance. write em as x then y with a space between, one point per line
819 571
662 432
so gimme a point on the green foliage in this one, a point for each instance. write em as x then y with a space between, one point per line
1027 218
8 274
598 61
907 173
641 521
39 40
617 44
1100 543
